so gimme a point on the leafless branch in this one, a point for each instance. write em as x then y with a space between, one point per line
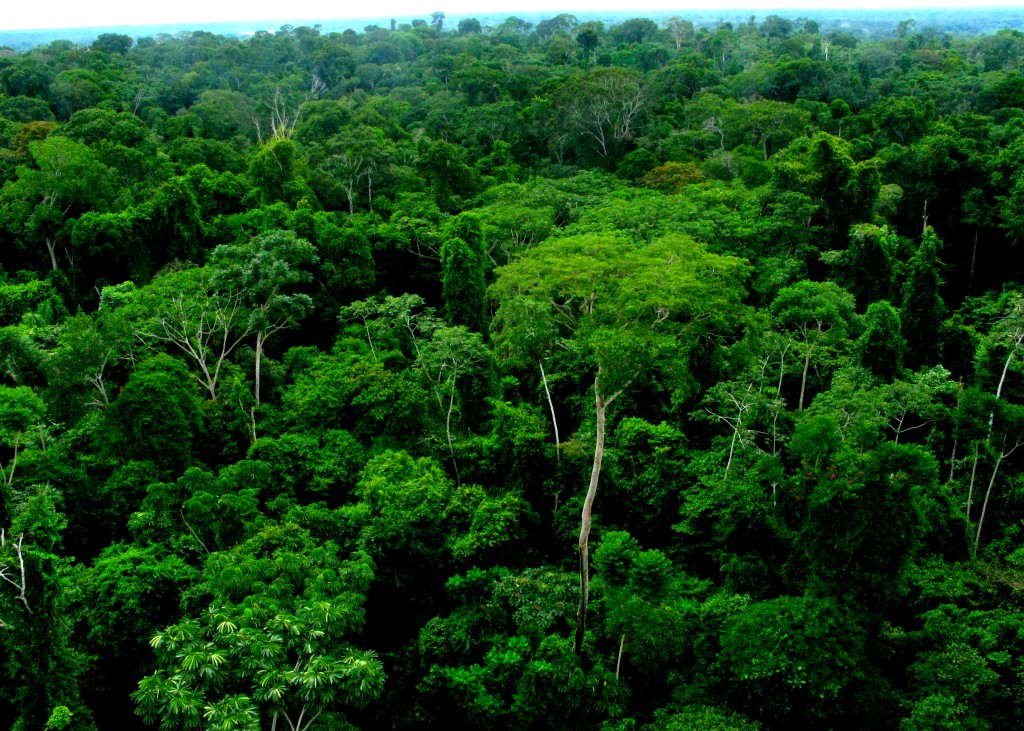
5 575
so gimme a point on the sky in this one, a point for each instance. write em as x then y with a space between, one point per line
23 15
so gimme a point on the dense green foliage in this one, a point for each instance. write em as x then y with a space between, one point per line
664 375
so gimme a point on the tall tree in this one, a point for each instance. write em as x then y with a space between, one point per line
603 108
265 272
64 180
922 311
355 158
622 305
817 314
204 324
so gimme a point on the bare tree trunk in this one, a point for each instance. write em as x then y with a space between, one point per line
51 247
618 661
782 371
9 476
586 518
974 472
192 531
732 447
19 585
551 405
259 358
995 470
369 339
1006 365
803 381
448 432
984 504
899 427
601 405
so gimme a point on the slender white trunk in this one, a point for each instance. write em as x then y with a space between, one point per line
554 421
1006 365
587 518
51 247
984 504
601 405
803 381
448 432
732 446
9 476
259 357
782 370
366 326
974 472
992 481
20 586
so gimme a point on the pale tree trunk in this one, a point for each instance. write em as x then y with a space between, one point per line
448 432
21 584
735 424
974 472
782 371
601 407
51 247
554 421
260 338
586 520
988 492
8 475
1006 365
984 504
350 193
732 448
252 424
803 381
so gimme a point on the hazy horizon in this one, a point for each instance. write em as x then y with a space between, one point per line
115 13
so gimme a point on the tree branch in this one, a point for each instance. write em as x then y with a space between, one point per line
21 563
